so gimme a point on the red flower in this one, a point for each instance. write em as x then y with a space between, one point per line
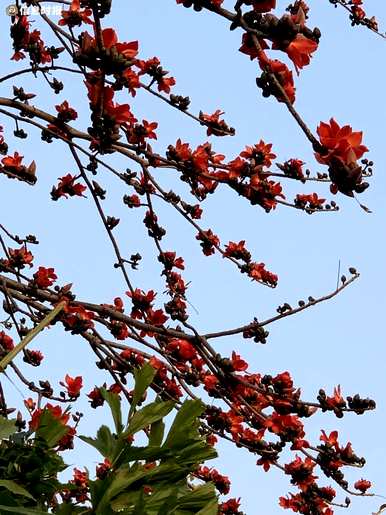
210 382
80 478
156 317
362 485
149 129
300 50
33 357
18 258
221 482
132 201
258 272
336 401
341 142
248 46
283 75
285 425
260 153
238 364
67 187
65 112
263 6
96 397
132 81
208 241
73 385
103 469
169 260
110 39
312 201
6 341
141 301
56 412
182 151
331 440
13 163
183 349
293 168
30 404
118 113
77 318
75 16
237 251
13 167
230 507
215 126
301 472
44 277
165 84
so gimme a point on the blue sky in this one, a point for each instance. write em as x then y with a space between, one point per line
338 342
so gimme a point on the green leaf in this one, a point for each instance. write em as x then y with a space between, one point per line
197 452
21 511
148 415
98 489
156 434
114 402
50 428
185 424
70 509
210 509
126 501
7 427
198 498
104 442
123 478
143 379
169 504
15 488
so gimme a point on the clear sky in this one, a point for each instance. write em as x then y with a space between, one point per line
340 342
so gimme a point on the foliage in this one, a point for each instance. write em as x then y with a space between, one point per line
154 478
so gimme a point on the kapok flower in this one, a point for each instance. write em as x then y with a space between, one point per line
65 112
44 277
341 143
19 258
263 6
110 40
73 385
75 16
6 341
300 50
67 187
56 412
261 153
362 485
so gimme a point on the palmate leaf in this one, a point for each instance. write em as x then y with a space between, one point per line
156 434
15 488
197 452
185 424
122 479
20 510
7 427
50 428
104 442
198 498
167 500
210 509
143 379
148 415
114 401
